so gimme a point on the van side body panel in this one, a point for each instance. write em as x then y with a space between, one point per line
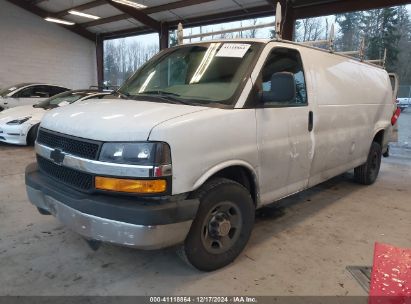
353 102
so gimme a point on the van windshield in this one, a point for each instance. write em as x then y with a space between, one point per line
201 74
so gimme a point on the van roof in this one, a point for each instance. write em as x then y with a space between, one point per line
266 41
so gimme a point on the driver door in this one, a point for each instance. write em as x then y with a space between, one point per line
284 129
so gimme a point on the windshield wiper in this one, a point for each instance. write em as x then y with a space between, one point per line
159 93
123 95
167 96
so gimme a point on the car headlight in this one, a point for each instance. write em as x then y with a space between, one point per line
19 121
156 155
144 153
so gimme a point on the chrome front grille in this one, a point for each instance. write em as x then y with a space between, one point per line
84 148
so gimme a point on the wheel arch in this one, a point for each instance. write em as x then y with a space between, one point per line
30 129
238 171
379 136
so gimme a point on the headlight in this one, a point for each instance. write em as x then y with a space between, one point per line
144 153
155 155
19 121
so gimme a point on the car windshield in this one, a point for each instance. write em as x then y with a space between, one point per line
201 74
62 99
5 91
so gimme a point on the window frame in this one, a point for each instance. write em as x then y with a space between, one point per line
257 102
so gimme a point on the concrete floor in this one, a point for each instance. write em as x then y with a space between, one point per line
300 246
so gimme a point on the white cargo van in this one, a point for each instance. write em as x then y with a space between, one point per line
207 133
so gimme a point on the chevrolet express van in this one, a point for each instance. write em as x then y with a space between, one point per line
203 135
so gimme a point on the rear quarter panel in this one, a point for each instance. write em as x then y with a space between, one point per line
353 102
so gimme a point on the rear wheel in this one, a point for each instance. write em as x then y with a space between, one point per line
222 226
367 173
32 135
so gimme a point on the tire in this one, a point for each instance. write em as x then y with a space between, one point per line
367 173
222 226
43 211
32 135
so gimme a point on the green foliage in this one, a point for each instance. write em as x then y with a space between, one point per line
380 29
350 26
383 29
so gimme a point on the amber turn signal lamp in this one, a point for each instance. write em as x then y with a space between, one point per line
130 185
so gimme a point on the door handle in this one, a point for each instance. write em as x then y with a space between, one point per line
310 121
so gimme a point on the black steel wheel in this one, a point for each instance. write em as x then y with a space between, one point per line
222 226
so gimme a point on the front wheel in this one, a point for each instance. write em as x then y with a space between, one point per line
222 226
32 135
367 173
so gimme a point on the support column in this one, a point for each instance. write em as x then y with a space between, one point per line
289 24
100 61
164 36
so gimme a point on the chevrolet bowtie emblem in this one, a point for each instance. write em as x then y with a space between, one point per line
57 156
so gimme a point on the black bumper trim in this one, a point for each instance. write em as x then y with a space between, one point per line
133 210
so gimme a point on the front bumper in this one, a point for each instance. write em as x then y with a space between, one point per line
128 221
16 135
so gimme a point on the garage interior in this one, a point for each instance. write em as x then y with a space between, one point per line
301 245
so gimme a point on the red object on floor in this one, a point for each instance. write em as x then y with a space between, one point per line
391 275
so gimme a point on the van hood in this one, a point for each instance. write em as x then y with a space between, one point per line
113 119
20 112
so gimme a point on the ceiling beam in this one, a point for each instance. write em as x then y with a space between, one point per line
137 14
174 5
82 7
127 33
255 12
35 2
105 20
43 14
148 11
343 6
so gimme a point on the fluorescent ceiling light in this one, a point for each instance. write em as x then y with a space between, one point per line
59 21
131 3
73 12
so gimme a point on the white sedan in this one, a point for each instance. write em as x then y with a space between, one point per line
27 94
19 125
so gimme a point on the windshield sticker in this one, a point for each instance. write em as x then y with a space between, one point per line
237 50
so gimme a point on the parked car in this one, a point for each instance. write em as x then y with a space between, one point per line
403 103
204 135
19 125
27 94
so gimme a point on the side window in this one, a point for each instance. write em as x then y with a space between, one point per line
24 93
282 61
40 91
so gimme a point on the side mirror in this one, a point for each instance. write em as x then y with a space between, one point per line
282 88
